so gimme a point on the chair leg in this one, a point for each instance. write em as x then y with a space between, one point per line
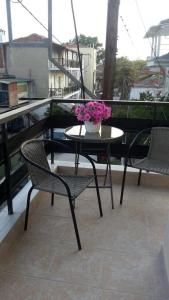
75 224
123 183
98 195
105 176
76 163
139 177
27 208
52 199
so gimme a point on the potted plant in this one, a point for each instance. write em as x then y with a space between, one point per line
92 113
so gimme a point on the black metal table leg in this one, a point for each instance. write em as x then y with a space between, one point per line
110 175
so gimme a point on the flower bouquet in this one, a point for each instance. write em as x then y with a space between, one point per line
92 113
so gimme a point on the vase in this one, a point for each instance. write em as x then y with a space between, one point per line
91 127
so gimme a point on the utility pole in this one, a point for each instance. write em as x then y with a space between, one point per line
50 28
111 49
8 9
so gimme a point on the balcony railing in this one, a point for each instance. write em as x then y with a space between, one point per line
61 92
130 116
66 63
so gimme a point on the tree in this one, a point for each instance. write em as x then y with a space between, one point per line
87 41
126 73
91 42
100 55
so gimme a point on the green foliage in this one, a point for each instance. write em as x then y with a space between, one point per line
139 112
87 41
127 72
164 98
120 112
100 55
134 112
57 110
146 96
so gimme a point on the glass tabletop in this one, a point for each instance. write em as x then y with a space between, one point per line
106 134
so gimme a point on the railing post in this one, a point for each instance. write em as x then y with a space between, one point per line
51 132
7 168
154 112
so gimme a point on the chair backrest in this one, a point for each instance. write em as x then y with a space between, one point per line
159 144
33 151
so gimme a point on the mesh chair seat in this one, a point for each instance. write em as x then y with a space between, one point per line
77 185
152 165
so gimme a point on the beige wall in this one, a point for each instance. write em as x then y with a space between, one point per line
30 62
89 70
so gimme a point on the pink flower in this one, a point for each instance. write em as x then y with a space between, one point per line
87 117
90 104
77 110
93 111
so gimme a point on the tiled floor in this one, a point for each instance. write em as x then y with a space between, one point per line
120 257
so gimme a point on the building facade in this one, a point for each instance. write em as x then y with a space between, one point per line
28 58
89 55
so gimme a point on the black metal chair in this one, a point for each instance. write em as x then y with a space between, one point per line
157 158
33 151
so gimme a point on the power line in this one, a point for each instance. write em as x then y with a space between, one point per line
78 48
125 26
15 1
21 2
140 15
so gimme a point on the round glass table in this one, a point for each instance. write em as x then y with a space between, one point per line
107 135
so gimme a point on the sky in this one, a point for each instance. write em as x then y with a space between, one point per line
135 18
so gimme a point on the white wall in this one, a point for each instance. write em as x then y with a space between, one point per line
89 60
135 92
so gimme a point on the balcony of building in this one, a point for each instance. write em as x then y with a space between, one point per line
66 63
123 253
64 92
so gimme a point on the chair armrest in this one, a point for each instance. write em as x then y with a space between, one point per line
66 147
91 160
70 150
134 142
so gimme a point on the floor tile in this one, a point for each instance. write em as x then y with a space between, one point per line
28 256
104 269
65 291
19 288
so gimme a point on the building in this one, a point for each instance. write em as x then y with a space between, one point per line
159 39
153 86
12 89
89 55
159 56
28 58
89 67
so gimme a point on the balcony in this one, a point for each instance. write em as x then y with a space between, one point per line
62 92
66 63
122 253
